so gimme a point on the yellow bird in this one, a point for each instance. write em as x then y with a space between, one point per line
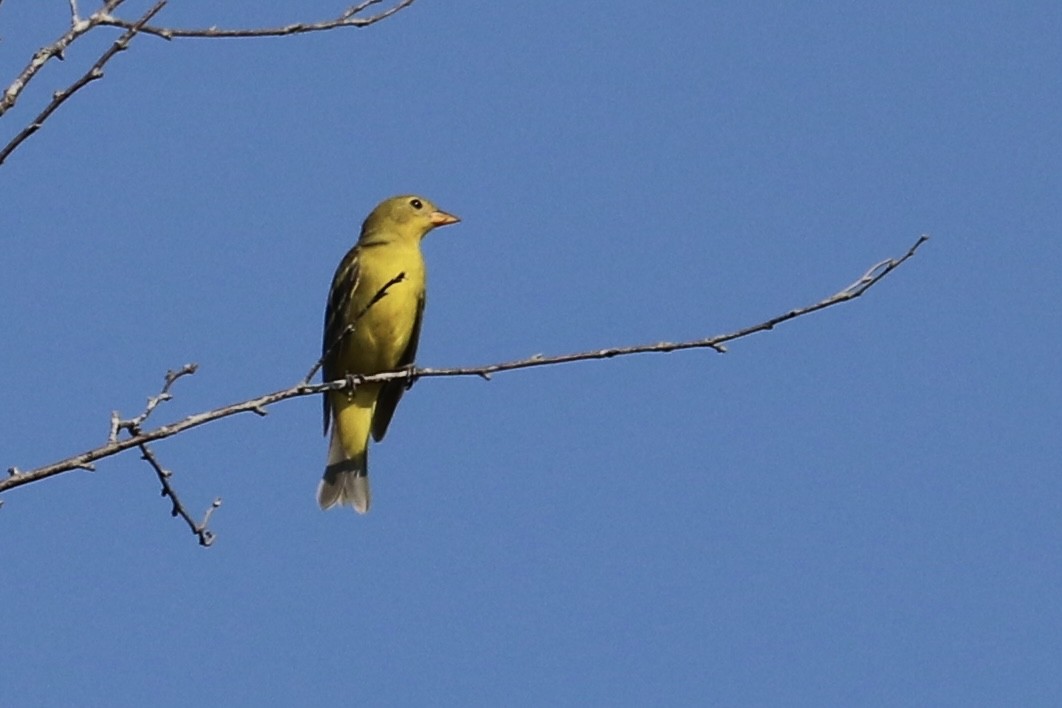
372 324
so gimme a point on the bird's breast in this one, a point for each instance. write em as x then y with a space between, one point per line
389 308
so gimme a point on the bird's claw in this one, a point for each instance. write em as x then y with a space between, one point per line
353 381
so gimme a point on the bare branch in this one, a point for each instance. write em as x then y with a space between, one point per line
104 17
205 535
347 19
94 73
873 276
133 425
43 55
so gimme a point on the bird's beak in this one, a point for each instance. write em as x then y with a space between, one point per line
441 218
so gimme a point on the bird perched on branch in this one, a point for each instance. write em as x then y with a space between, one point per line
372 324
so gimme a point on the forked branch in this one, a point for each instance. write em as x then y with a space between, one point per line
353 16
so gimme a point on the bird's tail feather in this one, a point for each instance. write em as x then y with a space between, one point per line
345 480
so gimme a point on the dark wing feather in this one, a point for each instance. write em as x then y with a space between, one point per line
335 322
392 391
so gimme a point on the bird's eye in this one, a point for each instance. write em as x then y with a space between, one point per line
416 203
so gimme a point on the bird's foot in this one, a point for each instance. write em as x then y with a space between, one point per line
353 381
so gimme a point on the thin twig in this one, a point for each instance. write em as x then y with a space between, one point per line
94 73
104 17
11 94
56 49
347 19
868 280
17 477
380 294
133 425
204 534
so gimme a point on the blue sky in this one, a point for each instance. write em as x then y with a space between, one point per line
863 507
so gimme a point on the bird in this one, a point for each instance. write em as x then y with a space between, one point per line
372 324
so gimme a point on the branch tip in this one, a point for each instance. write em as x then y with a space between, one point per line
346 19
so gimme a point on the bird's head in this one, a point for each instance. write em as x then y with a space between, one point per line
408 216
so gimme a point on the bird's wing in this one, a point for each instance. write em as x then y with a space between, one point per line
337 314
392 391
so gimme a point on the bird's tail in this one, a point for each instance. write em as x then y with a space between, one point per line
346 476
